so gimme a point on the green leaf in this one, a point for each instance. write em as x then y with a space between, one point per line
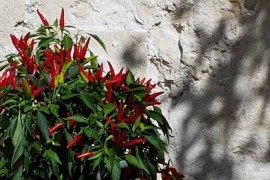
132 160
17 174
67 41
54 109
136 87
136 124
42 123
17 136
97 160
161 120
152 169
3 162
44 109
88 101
69 95
52 156
44 42
37 82
78 118
19 149
155 142
108 108
116 171
108 150
3 66
122 126
90 59
91 133
55 24
130 78
141 162
99 41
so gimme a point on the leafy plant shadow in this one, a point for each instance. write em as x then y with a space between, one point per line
216 130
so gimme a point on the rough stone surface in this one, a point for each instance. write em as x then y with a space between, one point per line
211 57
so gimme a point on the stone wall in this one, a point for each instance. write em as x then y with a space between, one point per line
211 57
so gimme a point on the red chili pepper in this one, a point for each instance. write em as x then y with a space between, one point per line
109 95
151 97
149 86
99 73
120 115
116 80
87 76
75 140
85 155
134 142
18 163
137 112
112 125
14 40
170 171
36 92
120 137
43 19
56 128
152 103
13 64
2 108
8 77
111 69
62 19
80 51
36 134
71 121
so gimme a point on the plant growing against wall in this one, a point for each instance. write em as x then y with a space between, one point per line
63 117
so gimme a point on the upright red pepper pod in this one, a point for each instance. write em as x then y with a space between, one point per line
62 19
43 19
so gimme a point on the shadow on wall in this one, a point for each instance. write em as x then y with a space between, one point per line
217 130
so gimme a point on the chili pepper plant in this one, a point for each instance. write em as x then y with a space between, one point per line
63 117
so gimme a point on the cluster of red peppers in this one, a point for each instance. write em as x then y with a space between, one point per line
55 62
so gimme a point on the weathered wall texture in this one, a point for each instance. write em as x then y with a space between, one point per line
211 57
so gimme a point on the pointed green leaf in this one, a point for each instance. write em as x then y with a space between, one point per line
130 78
16 138
19 149
44 42
99 41
67 41
43 125
52 156
141 162
17 173
78 118
3 67
154 141
132 160
116 171
91 133
161 120
88 101
54 109
108 108
136 124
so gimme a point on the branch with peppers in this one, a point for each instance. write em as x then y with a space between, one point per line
63 117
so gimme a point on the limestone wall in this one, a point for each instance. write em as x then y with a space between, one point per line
211 57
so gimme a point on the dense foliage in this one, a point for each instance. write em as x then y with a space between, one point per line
63 117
